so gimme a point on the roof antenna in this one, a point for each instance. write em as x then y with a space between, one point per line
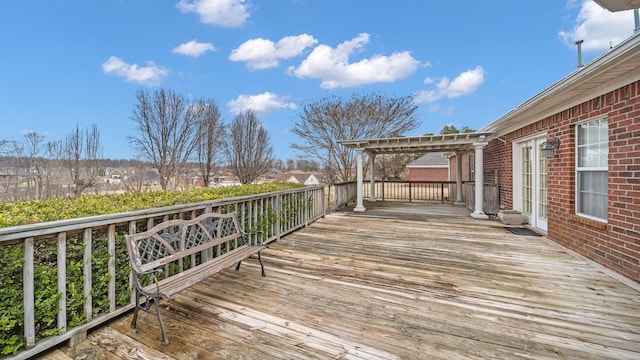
579 45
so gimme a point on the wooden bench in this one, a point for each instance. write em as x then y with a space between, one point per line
176 254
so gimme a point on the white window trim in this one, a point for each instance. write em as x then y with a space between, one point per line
582 168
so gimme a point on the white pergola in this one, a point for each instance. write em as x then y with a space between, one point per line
452 143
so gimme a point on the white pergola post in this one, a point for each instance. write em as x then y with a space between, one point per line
479 181
359 204
459 178
372 162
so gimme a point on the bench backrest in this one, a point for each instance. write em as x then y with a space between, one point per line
175 239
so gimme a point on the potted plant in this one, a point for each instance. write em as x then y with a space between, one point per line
511 217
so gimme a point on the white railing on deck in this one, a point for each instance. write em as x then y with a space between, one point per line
438 191
344 193
294 209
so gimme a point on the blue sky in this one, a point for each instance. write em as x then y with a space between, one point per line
77 62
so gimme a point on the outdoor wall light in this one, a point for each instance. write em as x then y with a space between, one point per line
549 148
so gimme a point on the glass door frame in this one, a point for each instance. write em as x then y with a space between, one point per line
530 181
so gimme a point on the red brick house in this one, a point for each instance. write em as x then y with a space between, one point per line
433 166
586 195
568 158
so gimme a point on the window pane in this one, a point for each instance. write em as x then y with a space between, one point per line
592 187
593 147
527 180
542 185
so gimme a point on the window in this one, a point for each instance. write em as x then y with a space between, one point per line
591 169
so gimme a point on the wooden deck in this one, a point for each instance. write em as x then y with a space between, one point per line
400 281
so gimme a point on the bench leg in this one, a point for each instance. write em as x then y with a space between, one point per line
134 321
146 307
165 341
261 265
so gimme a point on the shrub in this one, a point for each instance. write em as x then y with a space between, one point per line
45 255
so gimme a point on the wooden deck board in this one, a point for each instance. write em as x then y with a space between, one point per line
405 281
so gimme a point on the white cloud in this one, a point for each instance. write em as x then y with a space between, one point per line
151 75
331 65
427 96
226 13
464 84
260 54
598 27
261 104
193 48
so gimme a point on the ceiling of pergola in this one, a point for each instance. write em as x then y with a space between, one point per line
418 144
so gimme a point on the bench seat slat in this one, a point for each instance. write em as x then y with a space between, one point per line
187 278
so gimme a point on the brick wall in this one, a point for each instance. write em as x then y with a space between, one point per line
466 176
616 243
428 174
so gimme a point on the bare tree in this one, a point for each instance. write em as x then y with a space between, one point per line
279 165
391 166
82 152
12 189
248 151
166 125
54 175
210 138
33 143
325 122
307 165
291 164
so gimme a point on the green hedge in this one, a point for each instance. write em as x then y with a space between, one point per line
32 212
45 257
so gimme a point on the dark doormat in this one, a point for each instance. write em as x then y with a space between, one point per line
522 231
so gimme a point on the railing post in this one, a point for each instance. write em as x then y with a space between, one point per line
277 208
111 265
62 281
409 191
28 294
307 208
87 275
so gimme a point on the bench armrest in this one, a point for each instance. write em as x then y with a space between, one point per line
154 280
246 235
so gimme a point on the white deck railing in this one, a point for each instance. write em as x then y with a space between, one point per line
276 213
439 191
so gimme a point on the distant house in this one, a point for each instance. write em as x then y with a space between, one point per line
429 167
116 174
299 178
